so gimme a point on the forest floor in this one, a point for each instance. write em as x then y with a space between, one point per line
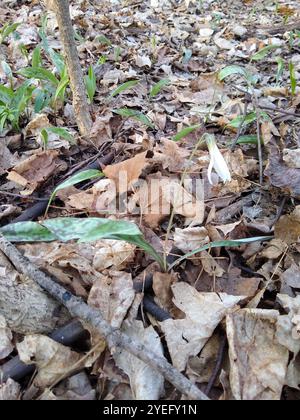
196 132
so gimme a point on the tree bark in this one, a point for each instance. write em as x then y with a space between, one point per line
80 103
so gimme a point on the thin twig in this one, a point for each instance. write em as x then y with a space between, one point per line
115 338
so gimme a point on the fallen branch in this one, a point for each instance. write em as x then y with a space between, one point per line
115 338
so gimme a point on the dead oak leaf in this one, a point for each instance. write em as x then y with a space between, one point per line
36 169
186 337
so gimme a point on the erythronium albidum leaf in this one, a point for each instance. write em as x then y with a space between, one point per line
217 244
85 230
76 179
185 132
123 87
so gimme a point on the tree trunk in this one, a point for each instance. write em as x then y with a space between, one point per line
80 103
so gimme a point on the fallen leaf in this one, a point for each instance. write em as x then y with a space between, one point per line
36 169
10 390
111 253
186 337
287 229
280 175
258 363
291 158
125 173
189 239
162 283
146 383
35 126
113 296
51 358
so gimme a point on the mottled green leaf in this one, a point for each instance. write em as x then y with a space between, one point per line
27 232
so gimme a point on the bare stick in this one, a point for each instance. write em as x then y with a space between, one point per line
78 308
80 103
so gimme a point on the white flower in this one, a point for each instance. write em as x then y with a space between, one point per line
217 162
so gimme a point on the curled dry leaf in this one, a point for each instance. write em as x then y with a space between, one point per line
124 174
51 358
113 296
36 169
6 346
146 383
186 337
10 390
258 362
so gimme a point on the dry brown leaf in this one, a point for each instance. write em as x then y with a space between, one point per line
287 229
7 210
210 265
36 169
258 363
184 202
162 283
189 239
35 126
125 173
291 157
225 229
170 155
186 337
113 295
111 253
274 249
10 390
288 325
290 280
200 368
51 358
280 175
146 383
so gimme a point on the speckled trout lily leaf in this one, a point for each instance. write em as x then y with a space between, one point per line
85 230
27 232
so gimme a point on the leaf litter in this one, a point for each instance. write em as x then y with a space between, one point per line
168 74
